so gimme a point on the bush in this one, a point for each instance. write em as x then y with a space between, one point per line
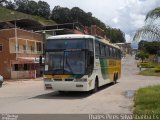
157 70
146 65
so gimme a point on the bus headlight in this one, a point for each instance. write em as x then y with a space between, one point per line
81 80
47 79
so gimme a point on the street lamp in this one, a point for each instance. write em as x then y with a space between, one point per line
15 25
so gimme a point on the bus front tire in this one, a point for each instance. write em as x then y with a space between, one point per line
95 86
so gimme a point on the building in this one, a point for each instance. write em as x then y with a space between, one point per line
20 51
71 28
125 48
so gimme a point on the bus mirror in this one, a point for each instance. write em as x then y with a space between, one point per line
40 60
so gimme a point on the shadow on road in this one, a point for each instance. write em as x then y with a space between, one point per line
69 95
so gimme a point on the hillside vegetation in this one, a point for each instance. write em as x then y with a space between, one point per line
7 15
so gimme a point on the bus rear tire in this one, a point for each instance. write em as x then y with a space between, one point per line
62 92
1 84
115 78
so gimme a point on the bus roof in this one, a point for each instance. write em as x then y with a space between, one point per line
69 36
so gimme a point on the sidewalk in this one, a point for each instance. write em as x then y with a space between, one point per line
14 81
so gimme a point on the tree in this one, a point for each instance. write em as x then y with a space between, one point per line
22 5
43 9
115 35
142 55
10 5
32 7
61 15
141 44
151 30
152 47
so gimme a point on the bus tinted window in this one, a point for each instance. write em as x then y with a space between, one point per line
89 44
119 54
97 50
110 50
107 51
114 53
102 50
66 44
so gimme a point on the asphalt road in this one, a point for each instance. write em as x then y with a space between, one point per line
30 96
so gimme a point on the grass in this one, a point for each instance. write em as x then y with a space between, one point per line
147 100
149 72
148 64
5 15
152 69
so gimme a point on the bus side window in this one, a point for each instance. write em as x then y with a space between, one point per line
102 47
107 52
119 53
89 44
97 49
114 53
111 52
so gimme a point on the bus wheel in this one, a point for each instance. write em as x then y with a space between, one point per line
115 79
95 86
62 92
0 84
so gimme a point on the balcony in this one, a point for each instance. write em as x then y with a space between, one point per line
25 46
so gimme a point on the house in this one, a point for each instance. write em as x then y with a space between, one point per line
19 53
125 48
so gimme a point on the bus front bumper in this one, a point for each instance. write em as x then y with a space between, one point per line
67 86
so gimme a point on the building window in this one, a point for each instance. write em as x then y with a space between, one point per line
1 47
17 48
32 49
24 48
15 68
39 46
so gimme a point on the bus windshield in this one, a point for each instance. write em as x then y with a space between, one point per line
66 62
65 44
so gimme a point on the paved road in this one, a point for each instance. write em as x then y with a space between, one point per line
30 97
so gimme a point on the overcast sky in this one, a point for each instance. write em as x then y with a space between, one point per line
128 15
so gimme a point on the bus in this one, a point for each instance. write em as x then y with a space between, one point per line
77 62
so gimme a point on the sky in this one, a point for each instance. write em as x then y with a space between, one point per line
127 15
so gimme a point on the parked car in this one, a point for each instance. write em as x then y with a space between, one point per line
1 80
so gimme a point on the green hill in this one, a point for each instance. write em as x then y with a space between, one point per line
7 15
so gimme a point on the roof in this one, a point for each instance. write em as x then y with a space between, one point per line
27 24
65 26
70 36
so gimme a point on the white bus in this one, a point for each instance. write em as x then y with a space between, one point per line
80 63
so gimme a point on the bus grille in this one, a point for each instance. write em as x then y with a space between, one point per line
68 79
57 79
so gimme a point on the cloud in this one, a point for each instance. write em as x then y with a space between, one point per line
127 15
131 15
